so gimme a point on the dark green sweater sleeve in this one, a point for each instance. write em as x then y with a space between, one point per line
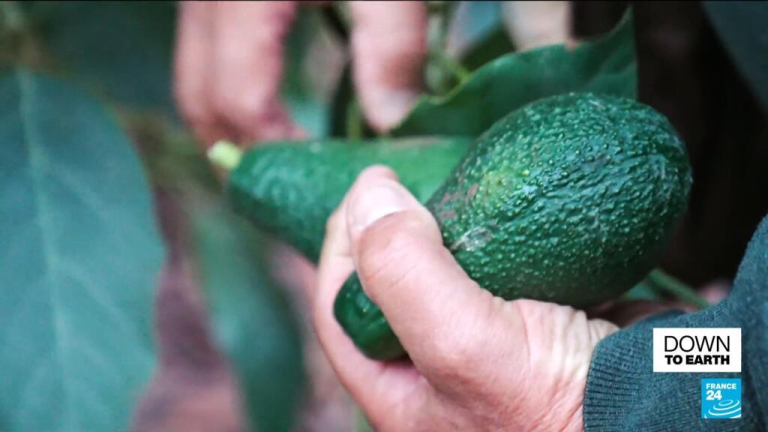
624 394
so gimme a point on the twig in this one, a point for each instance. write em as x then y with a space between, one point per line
440 66
677 289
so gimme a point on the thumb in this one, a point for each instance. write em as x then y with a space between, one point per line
435 309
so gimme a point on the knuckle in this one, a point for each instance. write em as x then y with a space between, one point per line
197 118
450 365
229 105
443 349
189 109
386 241
457 365
195 115
186 87
454 351
247 111
194 111
461 343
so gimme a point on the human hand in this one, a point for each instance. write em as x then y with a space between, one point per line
477 362
229 64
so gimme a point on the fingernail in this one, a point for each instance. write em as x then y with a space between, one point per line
391 107
374 204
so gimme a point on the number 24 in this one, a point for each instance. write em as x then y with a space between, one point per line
712 395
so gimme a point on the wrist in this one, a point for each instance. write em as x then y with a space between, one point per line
573 421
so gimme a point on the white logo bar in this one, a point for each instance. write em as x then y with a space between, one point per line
697 350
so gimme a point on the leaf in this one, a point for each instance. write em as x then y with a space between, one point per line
250 316
78 262
310 72
605 66
342 105
492 46
742 28
478 34
125 49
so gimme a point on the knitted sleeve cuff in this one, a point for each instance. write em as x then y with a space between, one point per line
624 394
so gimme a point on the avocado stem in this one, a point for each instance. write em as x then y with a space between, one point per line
225 154
677 289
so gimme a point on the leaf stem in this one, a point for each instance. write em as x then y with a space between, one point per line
677 289
354 120
225 154
440 66
453 66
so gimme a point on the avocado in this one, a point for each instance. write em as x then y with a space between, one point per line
291 188
568 199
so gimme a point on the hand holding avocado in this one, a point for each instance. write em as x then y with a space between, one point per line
568 200
478 362
487 351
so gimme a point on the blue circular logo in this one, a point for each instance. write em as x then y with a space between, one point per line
725 409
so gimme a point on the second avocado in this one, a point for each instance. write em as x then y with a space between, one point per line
568 200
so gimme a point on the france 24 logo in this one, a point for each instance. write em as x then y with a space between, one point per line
720 398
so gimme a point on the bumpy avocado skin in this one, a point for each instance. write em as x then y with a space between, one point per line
567 200
291 188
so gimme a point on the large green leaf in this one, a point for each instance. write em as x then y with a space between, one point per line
250 317
78 262
123 48
251 322
605 66
743 28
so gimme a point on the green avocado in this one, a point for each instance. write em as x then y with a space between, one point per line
568 200
291 188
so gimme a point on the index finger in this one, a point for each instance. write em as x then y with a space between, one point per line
389 47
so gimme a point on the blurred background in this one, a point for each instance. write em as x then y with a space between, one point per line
133 299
